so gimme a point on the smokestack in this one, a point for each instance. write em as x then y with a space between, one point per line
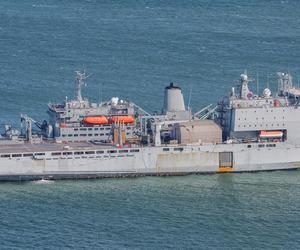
173 99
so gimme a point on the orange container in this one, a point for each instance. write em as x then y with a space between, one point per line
95 120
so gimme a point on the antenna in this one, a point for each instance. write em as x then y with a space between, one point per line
100 94
257 83
190 97
268 81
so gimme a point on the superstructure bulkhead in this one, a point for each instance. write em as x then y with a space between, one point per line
244 132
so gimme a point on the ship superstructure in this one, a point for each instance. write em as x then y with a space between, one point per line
248 117
244 132
79 120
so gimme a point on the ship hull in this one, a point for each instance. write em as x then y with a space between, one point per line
154 161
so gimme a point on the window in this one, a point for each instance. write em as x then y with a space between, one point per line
82 134
96 134
90 134
90 128
123 151
5 156
56 153
16 155
67 153
39 154
166 149
83 129
248 146
112 151
89 152
78 153
261 145
100 152
134 150
178 149
27 155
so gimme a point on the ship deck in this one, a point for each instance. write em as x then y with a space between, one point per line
48 147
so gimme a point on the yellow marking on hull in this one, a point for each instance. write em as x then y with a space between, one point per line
225 169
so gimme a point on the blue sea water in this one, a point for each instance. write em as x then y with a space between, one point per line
133 49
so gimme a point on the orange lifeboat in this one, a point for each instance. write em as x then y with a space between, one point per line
270 134
122 119
98 120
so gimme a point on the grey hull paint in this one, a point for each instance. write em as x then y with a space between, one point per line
154 162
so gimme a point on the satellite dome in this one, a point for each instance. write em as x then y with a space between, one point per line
244 77
267 92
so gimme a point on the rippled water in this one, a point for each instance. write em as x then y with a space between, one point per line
210 211
133 49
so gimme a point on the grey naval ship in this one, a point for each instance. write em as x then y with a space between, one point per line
117 138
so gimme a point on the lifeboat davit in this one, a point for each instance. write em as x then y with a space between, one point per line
98 120
122 119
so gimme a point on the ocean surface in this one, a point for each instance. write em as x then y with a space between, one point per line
133 49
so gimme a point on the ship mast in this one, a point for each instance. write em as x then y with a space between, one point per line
79 81
244 90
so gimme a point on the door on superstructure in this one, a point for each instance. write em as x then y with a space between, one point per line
225 162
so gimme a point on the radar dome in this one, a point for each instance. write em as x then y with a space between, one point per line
114 101
244 77
267 92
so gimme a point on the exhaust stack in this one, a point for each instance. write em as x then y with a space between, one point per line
173 101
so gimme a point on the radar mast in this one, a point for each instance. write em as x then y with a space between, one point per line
79 81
